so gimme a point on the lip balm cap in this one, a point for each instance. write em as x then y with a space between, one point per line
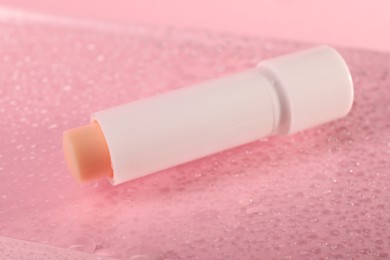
314 87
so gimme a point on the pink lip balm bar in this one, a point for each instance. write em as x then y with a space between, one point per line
280 96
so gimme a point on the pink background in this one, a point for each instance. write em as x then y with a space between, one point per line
319 194
361 24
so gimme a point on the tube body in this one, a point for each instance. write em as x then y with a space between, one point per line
173 128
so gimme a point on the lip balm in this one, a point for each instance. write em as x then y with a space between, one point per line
280 96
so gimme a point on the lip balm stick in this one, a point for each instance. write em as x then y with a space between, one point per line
280 96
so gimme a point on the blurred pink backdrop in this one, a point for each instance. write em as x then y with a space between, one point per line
354 23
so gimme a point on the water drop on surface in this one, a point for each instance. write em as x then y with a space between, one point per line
91 47
335 232
67 88
303 252
254 210
142 252
100 58
84 244
52 126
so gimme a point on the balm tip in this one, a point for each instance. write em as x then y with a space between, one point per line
86 152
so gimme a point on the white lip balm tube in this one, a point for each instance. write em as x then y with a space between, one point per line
282 95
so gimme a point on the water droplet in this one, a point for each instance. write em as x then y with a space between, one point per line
104 251
67 88
6 58
335 232
100 58
379 241
142 252
170 255
303 252
91 47
52 126
254 210
316 251
334 247
84 244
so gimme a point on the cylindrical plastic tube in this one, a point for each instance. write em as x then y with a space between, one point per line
280 96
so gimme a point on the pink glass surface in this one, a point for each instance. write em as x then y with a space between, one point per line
358 24
322 193
23 250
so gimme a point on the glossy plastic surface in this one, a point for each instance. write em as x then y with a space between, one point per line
321 193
